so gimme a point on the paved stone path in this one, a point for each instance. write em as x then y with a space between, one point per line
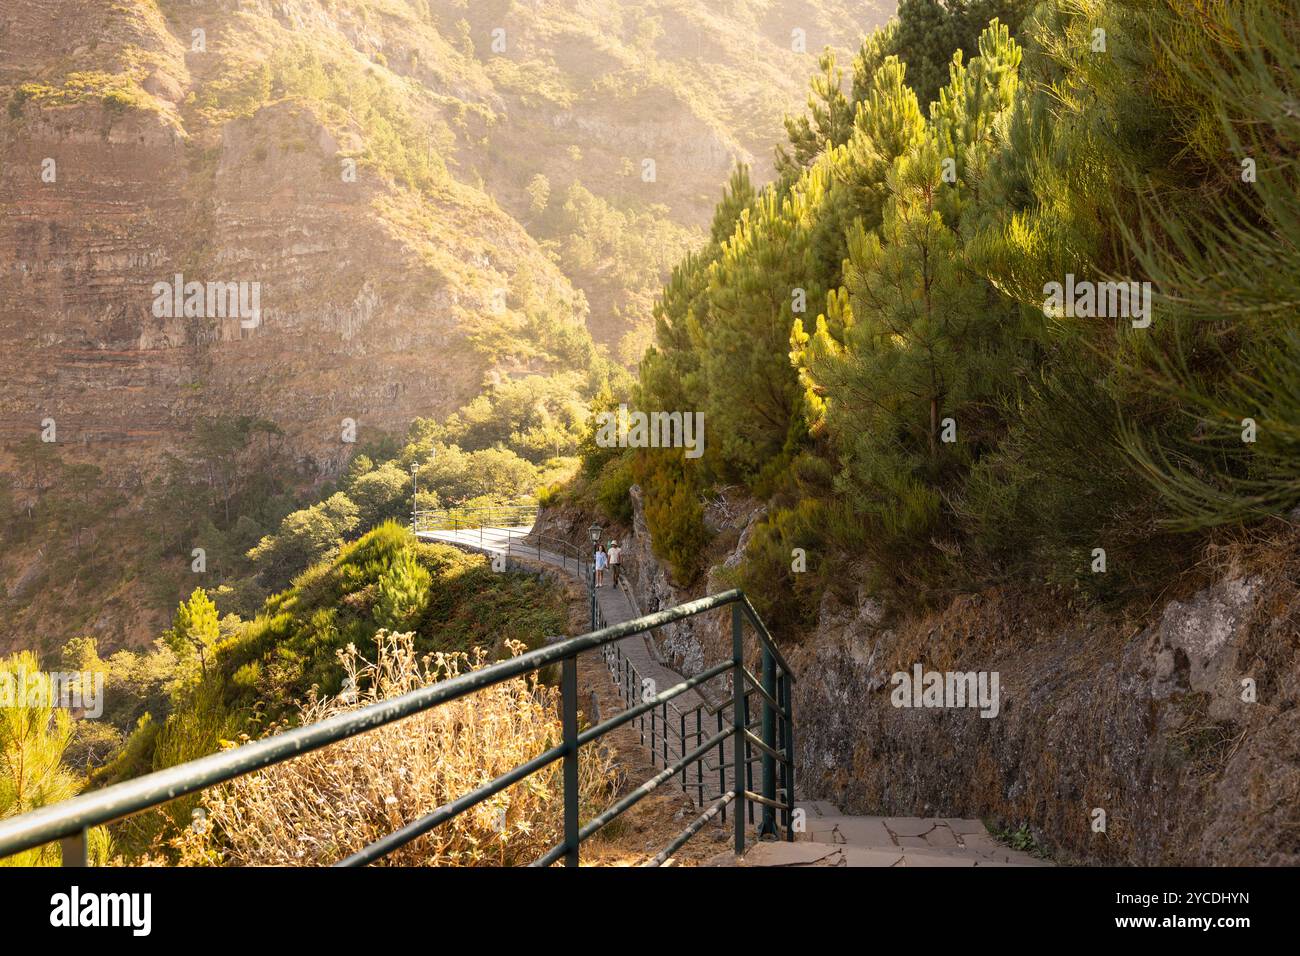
833 839
830 838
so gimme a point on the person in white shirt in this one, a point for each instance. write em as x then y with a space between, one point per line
615 559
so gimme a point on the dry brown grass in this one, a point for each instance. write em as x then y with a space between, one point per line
325 805
650 825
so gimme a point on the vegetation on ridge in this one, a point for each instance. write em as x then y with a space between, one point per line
230 679
330 803
871 337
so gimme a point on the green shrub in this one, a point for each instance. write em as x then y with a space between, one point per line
674 512
612 487
551 495
786 586
402 593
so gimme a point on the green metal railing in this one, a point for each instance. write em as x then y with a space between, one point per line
69 820
520 514
675 725
666 731
518 541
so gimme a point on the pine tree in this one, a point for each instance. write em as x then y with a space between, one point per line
670 370
878 46
1228 270
34 733
928 34
887 124
195 629
922 355
402 592
764 273
969 108
931 31
738 196
915 307
828 123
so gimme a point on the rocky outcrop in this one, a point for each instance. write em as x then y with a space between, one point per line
1153 736
695 644
1168 741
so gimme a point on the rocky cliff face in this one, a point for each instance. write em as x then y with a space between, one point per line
348 315
1168 738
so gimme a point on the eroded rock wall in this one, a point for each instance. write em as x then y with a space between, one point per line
1181 726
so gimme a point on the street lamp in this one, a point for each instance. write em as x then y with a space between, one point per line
415 497
595 540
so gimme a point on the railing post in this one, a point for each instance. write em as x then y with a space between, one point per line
654 748
699 740
569 695
73 849
769 738
664 721
788 746
749 756
737 724
722 766
682 752
782 818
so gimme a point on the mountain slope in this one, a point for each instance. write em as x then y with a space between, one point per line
378 173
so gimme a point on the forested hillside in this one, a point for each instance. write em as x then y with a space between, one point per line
878 340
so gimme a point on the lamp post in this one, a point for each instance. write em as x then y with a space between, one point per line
415 497
595 540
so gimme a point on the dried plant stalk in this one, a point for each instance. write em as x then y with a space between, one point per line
320 807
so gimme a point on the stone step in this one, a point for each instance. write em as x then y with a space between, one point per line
819 808
945 839
810 853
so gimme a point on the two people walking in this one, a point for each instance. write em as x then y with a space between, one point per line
611 560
